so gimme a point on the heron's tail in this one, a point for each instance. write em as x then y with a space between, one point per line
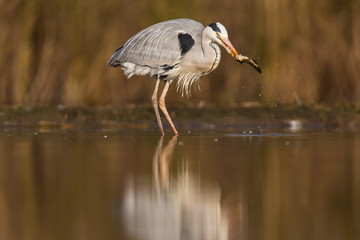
114 60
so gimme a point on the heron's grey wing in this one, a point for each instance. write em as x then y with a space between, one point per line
159 44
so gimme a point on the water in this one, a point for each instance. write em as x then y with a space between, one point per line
137 186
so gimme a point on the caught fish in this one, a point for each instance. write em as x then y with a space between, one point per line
250 61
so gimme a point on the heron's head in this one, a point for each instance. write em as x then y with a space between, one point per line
219 35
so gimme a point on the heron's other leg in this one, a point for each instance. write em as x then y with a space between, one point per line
156 107
163 107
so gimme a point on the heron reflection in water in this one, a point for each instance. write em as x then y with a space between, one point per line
173 207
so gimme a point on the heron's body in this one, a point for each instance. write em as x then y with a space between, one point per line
181 49
168 50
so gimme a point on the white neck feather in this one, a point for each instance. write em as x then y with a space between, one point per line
211 51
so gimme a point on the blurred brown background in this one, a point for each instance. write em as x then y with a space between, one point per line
55 52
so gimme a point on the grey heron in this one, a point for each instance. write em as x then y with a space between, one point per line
181 49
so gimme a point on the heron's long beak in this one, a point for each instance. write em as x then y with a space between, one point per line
228 46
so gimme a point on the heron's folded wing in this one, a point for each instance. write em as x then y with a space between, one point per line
157 45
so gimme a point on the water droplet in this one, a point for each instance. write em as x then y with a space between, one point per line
216 140
105 136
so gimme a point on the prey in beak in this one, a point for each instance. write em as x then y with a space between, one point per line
250 61
225 42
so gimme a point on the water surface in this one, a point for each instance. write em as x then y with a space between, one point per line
124 185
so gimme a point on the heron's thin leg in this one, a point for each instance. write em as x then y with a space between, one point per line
156 107
163 107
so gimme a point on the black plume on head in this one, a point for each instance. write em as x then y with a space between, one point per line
215 27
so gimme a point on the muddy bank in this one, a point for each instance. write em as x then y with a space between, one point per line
253 118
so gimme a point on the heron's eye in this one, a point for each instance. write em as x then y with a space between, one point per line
217 34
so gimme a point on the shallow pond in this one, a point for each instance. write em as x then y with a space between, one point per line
202 185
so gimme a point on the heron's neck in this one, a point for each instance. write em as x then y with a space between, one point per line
211 52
